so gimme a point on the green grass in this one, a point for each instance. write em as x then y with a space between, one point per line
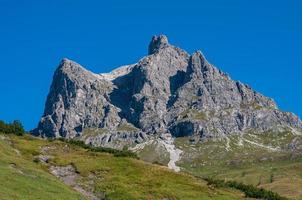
115 152
94 131
194 114
249 190
117 177
155 153
127 127
279 171
20 178
128 178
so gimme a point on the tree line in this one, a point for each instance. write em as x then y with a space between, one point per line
249 190
14 127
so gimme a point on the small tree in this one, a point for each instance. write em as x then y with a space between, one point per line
17 127
3 127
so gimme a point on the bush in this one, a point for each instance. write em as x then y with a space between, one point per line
115 152
249 190
36 160
15 127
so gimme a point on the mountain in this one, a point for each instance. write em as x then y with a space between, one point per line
178 110
166 93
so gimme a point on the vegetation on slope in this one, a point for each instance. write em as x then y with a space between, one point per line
20 178
115 177
15 127
249 190
115 152
118 174
267 162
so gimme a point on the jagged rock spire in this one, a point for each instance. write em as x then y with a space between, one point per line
157 43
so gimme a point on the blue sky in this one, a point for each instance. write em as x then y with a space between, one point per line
257 42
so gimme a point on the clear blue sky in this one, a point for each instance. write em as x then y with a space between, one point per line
257 42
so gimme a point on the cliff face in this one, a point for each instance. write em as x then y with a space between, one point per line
77 99
168 91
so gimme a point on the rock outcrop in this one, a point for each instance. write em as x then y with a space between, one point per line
168 91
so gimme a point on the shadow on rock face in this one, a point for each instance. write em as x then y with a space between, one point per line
183 129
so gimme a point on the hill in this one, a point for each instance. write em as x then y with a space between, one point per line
29 166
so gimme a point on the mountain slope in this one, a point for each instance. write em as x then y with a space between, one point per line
26 164
271 160
21 178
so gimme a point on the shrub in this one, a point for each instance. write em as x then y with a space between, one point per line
15 127
115 152
249 190
36 160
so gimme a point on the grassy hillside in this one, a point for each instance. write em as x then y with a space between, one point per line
21 178
272 160
24 176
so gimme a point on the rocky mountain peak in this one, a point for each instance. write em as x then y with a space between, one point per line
71 70
68 66
158 42
67 63
168 91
